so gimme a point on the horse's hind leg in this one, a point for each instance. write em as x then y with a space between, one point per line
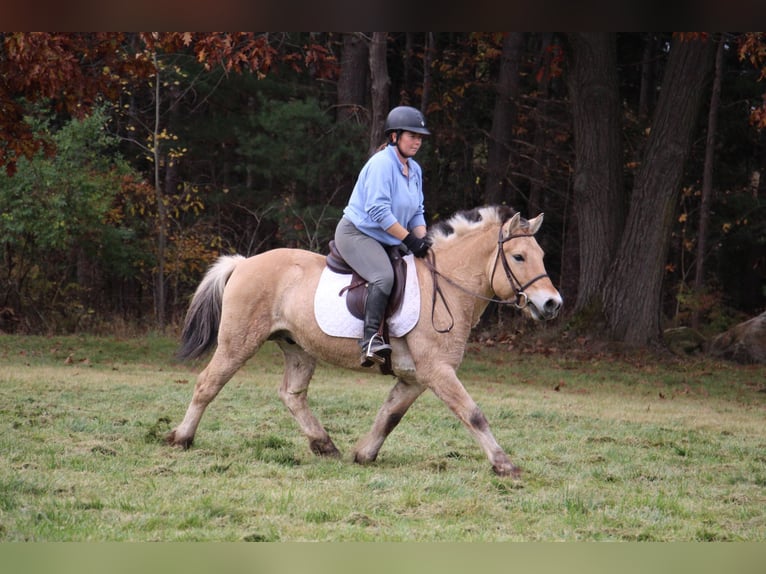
210 381
299 368
391 412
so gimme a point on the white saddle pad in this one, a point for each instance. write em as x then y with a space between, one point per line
336 320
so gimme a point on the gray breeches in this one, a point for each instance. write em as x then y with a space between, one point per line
365 255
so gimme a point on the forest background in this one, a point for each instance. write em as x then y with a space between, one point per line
132 160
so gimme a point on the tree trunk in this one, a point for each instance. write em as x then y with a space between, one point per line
707 178
541 159
428 58
408 73
648 71
633 288
381 84
503 119
352 82
159 280
598 185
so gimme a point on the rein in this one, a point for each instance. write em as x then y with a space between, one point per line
521 297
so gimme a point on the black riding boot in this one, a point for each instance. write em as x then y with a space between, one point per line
374 348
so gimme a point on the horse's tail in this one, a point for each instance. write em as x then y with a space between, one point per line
200 330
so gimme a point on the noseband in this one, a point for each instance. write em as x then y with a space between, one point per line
521 297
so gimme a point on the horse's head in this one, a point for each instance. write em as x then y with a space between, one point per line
518 272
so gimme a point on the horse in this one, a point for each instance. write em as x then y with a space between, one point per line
477 256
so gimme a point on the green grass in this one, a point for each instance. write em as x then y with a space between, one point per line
630 448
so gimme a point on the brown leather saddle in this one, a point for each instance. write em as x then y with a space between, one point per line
356 290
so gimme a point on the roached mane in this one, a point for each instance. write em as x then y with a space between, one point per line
466 221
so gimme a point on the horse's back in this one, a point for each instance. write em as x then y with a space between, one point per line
279 268
274 280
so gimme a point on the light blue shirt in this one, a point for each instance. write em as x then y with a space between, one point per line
383 195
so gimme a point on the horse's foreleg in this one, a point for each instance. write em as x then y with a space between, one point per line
299 368
391 412
210 381
452 392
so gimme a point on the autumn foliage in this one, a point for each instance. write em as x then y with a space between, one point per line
220 142
752 48
74 70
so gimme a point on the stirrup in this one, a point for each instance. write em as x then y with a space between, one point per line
376 351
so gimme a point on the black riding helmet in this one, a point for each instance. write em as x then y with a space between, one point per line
406 118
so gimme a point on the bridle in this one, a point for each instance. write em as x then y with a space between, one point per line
521 300
519 291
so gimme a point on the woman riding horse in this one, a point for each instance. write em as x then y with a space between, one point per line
385 209
485 254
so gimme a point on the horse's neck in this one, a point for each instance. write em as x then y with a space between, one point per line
467 261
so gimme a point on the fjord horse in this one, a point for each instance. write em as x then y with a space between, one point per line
486 254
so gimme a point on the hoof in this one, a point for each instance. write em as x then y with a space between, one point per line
324 448
172 440
507 469
360 459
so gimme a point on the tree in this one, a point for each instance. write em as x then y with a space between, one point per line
626 281
235 52
301 188
73 71
428 57
648 73
707 177
632 292
352 82
380 86
58 218
251 148
503 118
547 124
598 185
70 70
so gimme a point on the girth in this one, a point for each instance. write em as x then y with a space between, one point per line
356 290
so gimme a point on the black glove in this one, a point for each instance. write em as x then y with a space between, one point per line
418 246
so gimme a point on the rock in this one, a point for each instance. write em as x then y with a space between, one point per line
743 343
8 320
683 340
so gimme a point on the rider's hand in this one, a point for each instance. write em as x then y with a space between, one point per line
418 246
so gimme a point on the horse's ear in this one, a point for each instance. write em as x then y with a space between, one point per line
535 223
511 225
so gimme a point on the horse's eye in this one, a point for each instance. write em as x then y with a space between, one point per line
519 258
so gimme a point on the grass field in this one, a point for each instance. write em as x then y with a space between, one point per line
625 448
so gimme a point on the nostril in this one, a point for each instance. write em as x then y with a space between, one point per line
552 305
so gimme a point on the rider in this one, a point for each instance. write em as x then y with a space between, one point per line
385 209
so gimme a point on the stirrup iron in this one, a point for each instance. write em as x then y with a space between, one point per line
376 351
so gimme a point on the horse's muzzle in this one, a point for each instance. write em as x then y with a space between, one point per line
545 312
